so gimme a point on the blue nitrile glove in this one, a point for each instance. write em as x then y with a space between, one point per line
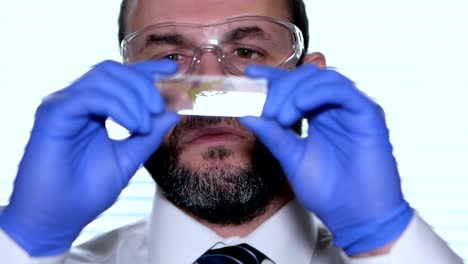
344 171
71 170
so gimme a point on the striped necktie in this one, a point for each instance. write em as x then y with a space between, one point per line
239 254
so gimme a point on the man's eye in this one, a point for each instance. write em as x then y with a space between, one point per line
246 53
174 57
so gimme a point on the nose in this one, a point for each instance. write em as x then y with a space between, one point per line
209 62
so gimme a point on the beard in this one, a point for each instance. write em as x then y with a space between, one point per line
219 192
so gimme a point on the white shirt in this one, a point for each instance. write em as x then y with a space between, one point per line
292 235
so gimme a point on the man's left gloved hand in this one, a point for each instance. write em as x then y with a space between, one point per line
344 170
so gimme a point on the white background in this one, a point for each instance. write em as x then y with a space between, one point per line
411 56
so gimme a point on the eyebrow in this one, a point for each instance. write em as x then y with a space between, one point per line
245 32
167 39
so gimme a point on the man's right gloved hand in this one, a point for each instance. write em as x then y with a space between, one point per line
71 170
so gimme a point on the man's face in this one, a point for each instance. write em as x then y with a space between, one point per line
213 167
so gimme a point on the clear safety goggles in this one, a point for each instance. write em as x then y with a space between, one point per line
234 44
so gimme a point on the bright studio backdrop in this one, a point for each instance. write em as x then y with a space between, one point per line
411 56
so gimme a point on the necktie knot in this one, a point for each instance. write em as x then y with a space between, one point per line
238 254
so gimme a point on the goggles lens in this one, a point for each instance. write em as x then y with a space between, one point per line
236 43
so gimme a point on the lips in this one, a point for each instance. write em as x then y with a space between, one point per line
215 134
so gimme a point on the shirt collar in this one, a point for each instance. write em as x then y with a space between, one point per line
289 236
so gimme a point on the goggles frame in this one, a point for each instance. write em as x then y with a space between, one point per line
296 35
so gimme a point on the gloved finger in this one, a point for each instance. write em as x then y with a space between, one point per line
329 90
67 114
290 113
343 93
133 82
286 87
282 84
273 75
135 150
283 143
130 96
156 68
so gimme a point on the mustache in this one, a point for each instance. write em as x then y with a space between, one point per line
198 122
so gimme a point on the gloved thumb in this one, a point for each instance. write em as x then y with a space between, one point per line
282 142
135 150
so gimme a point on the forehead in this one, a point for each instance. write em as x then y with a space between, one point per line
142 13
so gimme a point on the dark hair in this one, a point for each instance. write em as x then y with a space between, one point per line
298 11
